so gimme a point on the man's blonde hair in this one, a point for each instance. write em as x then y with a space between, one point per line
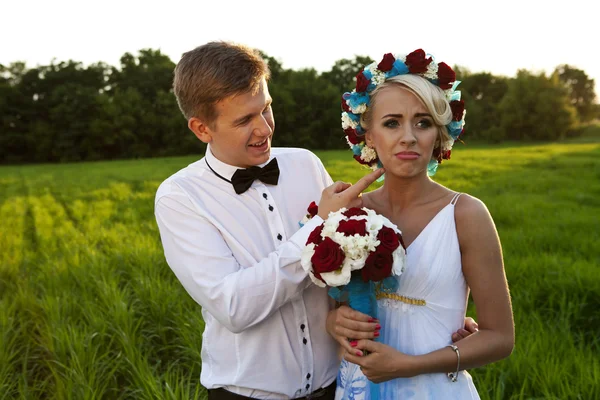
214 71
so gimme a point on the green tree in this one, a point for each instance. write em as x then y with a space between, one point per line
13 143
482 92
342 75
580 89
536 107
305 104
148 72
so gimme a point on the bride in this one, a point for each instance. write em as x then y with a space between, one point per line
404 115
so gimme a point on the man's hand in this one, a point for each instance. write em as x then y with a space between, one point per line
470 328
342 194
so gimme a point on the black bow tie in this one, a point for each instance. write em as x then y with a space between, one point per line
242 178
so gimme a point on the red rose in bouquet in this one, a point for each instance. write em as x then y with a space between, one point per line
328 257
378 266
313 209
388 238
351 227
354 212
315 235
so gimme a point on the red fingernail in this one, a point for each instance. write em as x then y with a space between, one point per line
377 327
358 353
354 343
376 334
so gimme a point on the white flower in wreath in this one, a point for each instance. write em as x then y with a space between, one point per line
432 71
378 78
348 122
372 68
359 109
368 154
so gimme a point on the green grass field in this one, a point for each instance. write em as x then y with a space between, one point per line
89 308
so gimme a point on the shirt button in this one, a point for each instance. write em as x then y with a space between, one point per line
304 341
307 386
265 195
302 327
308 376
270 208
279 237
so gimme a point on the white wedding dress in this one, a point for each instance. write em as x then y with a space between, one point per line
434 283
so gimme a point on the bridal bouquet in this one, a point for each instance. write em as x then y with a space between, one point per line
355 252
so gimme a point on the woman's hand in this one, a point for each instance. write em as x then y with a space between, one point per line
383 362
347 326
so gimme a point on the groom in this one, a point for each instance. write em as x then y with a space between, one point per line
230 232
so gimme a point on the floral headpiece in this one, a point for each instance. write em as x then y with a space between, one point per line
418 63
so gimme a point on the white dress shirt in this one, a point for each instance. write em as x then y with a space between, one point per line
238 257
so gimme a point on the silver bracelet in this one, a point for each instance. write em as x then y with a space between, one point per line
454 375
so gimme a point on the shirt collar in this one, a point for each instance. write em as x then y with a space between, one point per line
223 169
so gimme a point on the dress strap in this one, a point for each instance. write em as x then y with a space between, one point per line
455 199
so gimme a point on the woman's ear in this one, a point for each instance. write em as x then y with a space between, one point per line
369 139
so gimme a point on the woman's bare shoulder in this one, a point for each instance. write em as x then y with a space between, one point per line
470 208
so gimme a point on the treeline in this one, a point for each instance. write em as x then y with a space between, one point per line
66 111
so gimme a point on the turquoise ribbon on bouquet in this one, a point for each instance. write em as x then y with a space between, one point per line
361 296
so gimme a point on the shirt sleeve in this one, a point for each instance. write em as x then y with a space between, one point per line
238 296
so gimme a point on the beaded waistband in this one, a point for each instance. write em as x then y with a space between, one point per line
397 297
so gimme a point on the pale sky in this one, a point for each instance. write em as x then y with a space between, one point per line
493 36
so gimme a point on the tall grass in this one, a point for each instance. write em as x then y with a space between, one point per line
90 310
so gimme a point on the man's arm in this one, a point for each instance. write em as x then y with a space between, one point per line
237 296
